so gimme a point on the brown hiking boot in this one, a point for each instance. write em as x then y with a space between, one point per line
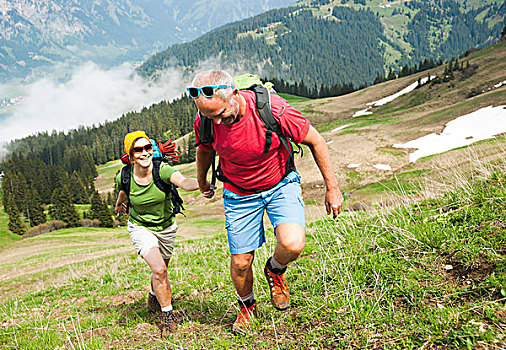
243 322
280 292
169 325
153 304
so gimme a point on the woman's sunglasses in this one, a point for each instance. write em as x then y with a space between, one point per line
148 147
207 91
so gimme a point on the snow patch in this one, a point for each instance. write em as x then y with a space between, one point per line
400 93
390 98
498 85
382 166
476 126
353 165
339 128
362 112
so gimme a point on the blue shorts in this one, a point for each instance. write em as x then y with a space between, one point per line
244 214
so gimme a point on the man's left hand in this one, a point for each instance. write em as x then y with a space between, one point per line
334 202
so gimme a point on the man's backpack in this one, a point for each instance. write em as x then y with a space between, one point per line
170 190
263 104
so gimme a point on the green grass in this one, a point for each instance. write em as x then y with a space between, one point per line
409 182
367 280
393 151
293 99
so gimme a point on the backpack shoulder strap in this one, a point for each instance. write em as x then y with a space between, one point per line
272 125
125 179
205 131
170 190
263 105
162 186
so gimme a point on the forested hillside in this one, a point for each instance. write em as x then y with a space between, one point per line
338 42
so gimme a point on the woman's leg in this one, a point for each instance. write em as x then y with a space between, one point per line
159 281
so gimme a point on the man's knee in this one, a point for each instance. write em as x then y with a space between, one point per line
159 272
241 262
291 238
293 245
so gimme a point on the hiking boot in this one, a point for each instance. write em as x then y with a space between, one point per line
153 304
168 323
243 322
280 293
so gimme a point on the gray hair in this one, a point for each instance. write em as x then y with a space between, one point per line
215 77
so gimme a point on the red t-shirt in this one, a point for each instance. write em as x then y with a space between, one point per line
240 145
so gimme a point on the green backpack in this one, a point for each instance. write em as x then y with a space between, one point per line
262 91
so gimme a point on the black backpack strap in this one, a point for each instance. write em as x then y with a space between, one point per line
162 186
206 136
264 111
170 190
125 179
205 131
125 183
214 174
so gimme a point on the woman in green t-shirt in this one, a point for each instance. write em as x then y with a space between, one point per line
151 225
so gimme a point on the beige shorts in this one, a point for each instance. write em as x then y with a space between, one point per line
144 239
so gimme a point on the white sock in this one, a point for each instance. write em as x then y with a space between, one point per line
275 264
247 298
167 308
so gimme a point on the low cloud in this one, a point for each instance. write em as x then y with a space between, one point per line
90 96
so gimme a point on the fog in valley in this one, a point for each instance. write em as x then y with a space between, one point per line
90 95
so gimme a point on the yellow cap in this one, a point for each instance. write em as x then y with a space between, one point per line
131 137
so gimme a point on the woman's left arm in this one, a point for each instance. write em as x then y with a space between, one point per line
187 184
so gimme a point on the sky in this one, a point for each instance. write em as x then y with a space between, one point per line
90 96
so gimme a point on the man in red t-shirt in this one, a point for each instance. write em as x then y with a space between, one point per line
257 181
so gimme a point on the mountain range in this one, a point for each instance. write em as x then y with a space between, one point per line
36 33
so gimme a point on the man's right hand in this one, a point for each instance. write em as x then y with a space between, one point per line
206 190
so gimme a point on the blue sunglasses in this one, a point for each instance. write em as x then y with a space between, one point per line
207 91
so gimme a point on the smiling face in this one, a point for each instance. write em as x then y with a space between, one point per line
143 157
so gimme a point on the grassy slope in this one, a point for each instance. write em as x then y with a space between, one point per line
377 280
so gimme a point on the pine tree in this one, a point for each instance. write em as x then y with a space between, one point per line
62 207
77 189
111 201
99 210
6 188
15 224
22 195
37 215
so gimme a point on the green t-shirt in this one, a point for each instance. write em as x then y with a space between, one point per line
148 203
